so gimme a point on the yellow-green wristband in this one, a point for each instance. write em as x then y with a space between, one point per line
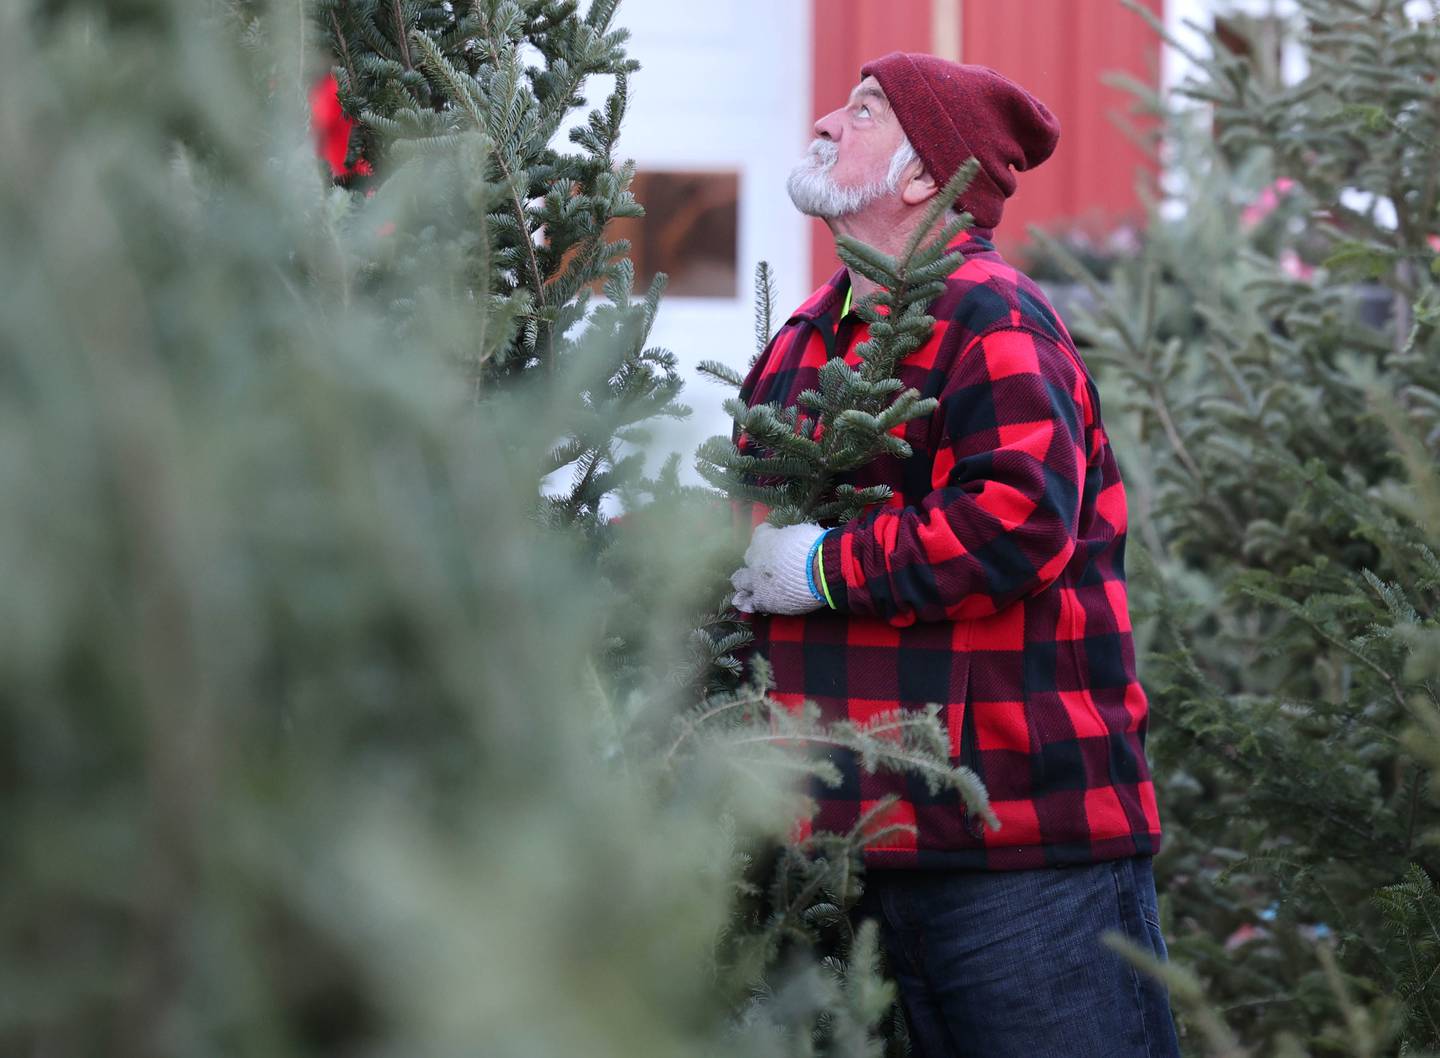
820 561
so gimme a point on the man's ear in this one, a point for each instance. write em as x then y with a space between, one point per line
920 187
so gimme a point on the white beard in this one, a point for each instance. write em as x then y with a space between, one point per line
815 192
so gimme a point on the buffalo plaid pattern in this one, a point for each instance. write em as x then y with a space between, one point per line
992 583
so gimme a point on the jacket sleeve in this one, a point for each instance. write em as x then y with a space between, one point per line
1001 519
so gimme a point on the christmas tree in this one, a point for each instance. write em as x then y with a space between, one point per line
1278 430
317 738
420 80
524 223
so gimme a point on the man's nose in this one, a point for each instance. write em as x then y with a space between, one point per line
827 126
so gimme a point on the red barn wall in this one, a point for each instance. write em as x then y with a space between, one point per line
1058 49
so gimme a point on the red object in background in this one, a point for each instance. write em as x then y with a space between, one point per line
1057 49
332 128
845 35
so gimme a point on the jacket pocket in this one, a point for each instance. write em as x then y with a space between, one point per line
968 753
970 758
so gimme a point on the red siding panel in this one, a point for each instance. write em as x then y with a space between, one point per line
1058 49
848 33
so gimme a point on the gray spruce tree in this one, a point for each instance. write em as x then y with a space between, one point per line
377 773
316 741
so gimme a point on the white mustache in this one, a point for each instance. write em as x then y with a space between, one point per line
822 153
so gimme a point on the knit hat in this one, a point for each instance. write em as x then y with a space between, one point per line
952 110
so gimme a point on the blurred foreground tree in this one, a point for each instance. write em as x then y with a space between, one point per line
315 739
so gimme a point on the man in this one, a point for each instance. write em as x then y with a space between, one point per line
992 583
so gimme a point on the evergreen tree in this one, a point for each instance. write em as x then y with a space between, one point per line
1286 587
480 91
310 743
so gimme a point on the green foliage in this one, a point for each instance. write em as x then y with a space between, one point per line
1275 432
469 98
290 751
478 94
326 729
802 452
810 884
1411 910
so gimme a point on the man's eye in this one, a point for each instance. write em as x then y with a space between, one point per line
864 109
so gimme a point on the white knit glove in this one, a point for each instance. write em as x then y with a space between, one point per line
773 579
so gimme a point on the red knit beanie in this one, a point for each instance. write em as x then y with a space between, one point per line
951 110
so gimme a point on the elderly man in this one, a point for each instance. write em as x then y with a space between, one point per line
992 582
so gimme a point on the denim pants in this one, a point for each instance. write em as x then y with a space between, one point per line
1009 963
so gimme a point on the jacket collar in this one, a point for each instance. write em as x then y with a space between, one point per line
827 300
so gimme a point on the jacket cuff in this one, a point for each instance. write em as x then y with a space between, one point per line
831 570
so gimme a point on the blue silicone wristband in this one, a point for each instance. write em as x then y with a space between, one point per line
810 566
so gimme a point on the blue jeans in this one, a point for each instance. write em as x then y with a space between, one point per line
1009 963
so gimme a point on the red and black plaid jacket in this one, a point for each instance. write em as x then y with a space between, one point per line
992 582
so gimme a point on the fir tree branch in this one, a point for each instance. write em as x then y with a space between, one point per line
343 44
402 34
694 724
764 307
1417 773
510 179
